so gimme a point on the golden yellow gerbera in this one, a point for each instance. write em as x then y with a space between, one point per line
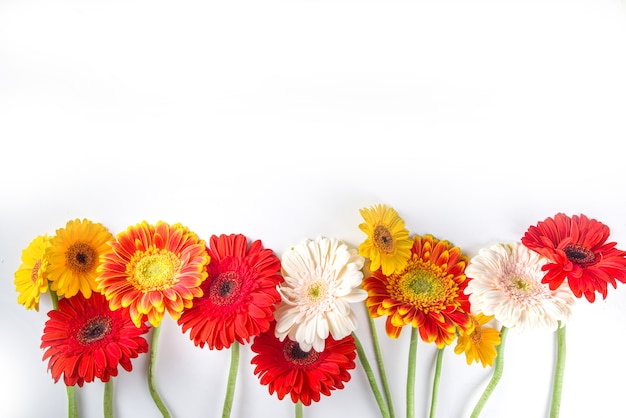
30 278
480 344
151 269
74 255
388 245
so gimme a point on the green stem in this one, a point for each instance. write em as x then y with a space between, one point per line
72 409
557 384
495 378
298 409
370 377
151 383
381 366
232 379
108 399
435 395
410 379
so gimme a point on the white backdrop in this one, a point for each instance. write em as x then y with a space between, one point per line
280 120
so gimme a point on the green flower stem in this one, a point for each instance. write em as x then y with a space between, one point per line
298 409
108 399
410 379
557 384
151 383
495 378
72 409
232 379
435 394
381 366
370 377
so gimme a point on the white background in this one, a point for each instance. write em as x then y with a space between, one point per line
280 120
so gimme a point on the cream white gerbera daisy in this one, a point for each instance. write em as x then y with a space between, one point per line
506 283
322 278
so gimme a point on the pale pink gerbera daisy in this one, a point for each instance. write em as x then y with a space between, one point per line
505 281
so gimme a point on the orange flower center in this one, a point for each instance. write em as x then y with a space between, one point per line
477 335
225 288
95 329
294 354
34 273
383 239
81 257
153 270
579 255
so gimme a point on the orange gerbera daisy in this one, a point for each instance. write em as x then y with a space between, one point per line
427 293
578 251
152 269
304 375
240 294
85 340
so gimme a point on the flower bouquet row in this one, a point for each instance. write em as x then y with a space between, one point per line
295 312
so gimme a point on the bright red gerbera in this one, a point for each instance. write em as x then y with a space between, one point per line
85 340
240 293
578 252
304 375
428 293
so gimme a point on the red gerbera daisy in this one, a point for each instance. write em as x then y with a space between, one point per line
240 293
304 375
578 251
85 340
427 293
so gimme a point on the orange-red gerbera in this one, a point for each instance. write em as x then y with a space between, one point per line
578 251
240 294
151 269
427 293
304 375
85 340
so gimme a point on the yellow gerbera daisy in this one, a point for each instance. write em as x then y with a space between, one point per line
74 256
480 344
388 245
30 278
151 269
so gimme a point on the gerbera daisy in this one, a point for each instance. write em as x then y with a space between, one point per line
480 344
322 278
388 245
74 256
578 251
85 340
30 278
240 293
427 293
305 375
506 283
152 269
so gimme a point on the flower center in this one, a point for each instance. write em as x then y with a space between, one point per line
81 257
225 288
95 329
154 270
520 285
294 354
422 287
383 239
580 255
316 291
477 335
34 273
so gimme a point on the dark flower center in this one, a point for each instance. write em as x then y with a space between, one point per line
95 329
580 255
294 354
225 288
81 257
383 239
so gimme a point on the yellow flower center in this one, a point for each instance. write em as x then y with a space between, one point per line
424 286
316 291
34 273
81 257
154 270
522 286
383 239
95 329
